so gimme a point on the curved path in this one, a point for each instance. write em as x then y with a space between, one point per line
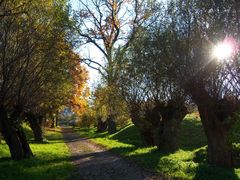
94 162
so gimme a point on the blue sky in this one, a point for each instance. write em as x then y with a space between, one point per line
89 51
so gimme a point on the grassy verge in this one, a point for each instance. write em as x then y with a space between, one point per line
187 163
51 160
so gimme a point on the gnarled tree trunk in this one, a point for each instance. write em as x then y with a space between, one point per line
35 124
217 116
167 122
160 125
141 124
219 151
14 137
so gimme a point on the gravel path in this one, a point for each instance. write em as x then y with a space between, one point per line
93 162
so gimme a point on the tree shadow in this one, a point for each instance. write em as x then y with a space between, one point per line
204 170
5 159
192 135
128 135
209 172
148 159
35 168
100 165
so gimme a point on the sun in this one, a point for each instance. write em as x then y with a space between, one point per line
223 51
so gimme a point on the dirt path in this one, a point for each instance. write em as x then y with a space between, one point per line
94 162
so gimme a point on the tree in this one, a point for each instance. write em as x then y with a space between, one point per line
195 27
35 67
103 108
79 100
110 26
156 102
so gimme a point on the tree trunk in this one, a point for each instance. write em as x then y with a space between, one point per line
144 126
147 137
25 146
52 122
112 128
219 151
160 125
36 127
101 126
56 121
10 136
167 137
168 130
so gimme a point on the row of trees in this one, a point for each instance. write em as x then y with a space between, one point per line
38 68
161 60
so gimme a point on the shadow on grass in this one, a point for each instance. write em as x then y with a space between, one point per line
192 135
190 162
5 159
128 135
207 171
149 158
108 165
35 168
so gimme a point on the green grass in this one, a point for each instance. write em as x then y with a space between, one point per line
50 161
189 162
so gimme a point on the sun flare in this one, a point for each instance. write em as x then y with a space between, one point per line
223 51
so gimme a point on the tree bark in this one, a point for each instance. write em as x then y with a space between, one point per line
25 146
160 125
36 127
101 126
147 136
143 125
219 151
172 115
217 119
11 137
167 139
52 122
112 127
56 121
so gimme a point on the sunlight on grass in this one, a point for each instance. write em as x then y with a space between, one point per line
189 162
51 160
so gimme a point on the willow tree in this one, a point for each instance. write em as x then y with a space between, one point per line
155 100
195 28
109 26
